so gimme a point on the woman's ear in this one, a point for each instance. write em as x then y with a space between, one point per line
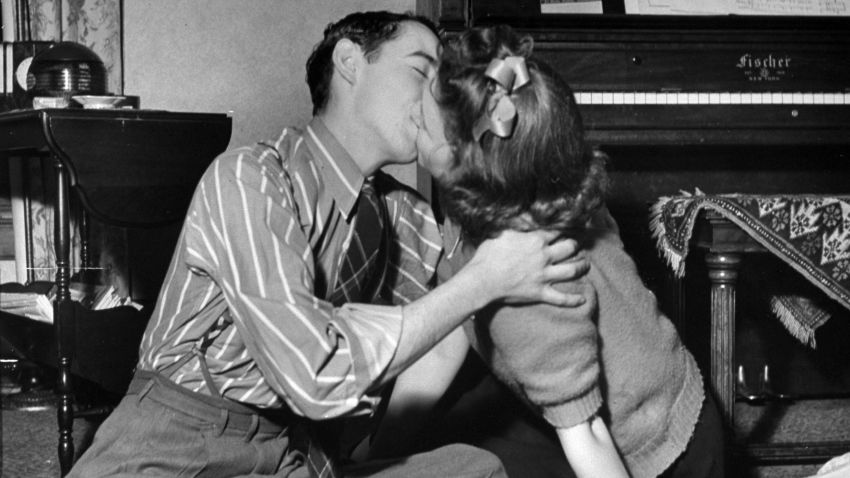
346 57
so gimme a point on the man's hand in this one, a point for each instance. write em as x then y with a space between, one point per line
520 267
515 267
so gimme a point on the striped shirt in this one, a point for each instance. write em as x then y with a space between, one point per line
255 264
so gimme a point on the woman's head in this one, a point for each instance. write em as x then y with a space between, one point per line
542 174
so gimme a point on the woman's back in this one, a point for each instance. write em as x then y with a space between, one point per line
618 349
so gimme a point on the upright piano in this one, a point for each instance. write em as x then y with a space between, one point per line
720 104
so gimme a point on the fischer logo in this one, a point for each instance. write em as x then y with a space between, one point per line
764 68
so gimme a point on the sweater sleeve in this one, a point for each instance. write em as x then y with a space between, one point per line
548 355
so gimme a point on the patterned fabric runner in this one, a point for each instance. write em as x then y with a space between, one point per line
809 232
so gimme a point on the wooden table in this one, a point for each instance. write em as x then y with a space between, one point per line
128 168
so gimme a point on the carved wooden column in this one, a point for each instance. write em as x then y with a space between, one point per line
723 273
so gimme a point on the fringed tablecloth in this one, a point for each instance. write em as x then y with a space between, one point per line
809 232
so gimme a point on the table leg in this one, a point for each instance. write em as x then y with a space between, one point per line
63 318
723 274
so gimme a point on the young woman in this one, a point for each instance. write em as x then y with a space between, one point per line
612 376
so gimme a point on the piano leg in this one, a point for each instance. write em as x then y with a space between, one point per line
723 274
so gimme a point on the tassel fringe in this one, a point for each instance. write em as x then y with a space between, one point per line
795 327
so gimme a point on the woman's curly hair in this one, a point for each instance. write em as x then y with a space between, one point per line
544 176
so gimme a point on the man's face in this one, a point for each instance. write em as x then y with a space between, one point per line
389 94
435 154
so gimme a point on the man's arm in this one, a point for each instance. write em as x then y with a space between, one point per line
591 451
415 393
418 388
516 267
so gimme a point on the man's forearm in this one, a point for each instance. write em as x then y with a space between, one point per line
431 318
415 394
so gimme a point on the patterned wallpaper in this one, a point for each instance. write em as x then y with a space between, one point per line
94 23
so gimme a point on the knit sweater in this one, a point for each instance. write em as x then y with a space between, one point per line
616 351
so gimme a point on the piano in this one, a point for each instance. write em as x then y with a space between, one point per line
722 104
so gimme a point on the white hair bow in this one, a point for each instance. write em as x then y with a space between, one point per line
510 74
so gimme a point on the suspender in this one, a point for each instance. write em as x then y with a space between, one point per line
199 350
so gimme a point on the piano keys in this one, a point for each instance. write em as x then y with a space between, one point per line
705 98
702 80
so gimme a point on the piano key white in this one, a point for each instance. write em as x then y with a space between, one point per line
711 98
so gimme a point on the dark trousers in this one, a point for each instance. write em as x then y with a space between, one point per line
704 456
162 429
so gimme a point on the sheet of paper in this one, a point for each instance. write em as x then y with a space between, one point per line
570 6
676 7
790 7
738 7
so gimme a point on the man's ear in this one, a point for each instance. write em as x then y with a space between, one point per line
346 59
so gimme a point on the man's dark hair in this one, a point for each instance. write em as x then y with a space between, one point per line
370 30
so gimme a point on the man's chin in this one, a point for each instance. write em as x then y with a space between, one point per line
401 162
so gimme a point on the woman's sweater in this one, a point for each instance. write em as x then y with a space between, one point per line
616 351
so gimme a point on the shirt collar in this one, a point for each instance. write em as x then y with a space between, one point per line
342 175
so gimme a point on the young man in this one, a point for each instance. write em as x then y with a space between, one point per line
261 327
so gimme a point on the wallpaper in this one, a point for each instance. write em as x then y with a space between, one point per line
94 23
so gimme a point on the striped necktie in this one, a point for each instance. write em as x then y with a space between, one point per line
361 275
